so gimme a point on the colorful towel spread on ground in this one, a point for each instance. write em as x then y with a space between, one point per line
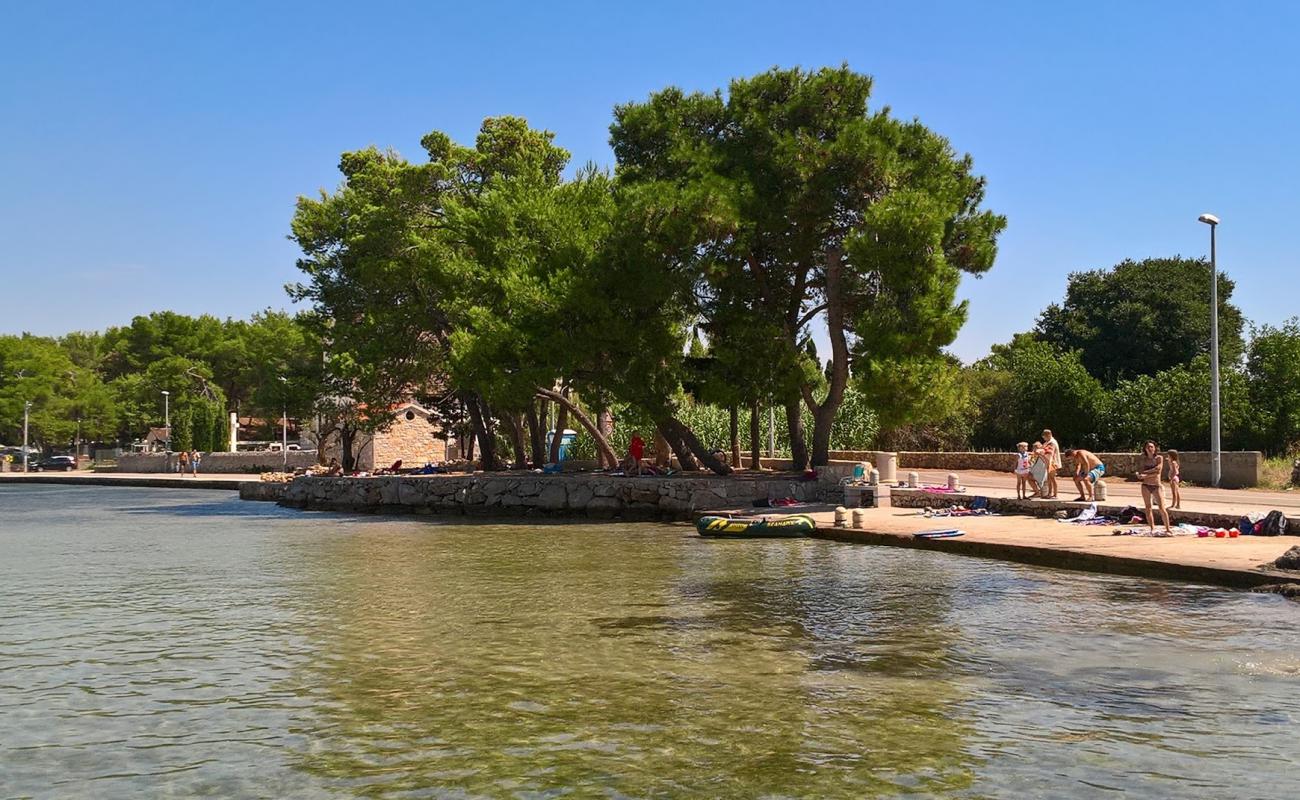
1157 533
957 511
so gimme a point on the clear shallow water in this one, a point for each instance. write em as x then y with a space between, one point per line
177 643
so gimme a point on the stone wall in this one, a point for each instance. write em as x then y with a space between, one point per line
218 463
1239 468
595 496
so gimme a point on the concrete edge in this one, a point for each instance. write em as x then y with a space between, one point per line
100 480
1067 559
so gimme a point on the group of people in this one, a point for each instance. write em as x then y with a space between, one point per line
189 461
1089 468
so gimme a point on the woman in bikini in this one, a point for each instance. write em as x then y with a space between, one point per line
1152 465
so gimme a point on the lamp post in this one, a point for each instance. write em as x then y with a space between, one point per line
284 421
1215 455
27 407
167 418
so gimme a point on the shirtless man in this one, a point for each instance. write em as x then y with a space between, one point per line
1088 469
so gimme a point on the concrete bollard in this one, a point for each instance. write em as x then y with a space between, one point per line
913 480
875 477
952 481
858 516
1099 491
841 517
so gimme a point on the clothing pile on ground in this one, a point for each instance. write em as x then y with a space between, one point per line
979 507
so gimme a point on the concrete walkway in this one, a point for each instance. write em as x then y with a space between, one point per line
1242 562
1219 501
155 480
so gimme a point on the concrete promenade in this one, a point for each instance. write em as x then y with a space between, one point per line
145 479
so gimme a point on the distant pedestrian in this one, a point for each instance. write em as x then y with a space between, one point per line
1151 465
195 458
183 462
1175 479
1052 452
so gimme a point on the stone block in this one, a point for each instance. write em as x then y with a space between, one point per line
553 497
580 495
604 507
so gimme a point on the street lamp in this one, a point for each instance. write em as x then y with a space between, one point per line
27 407
1215 456
167 418
284 421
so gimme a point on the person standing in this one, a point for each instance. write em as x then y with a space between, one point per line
195 458
1175 479
1152 464
1052 452
1023 478
635 452
183 462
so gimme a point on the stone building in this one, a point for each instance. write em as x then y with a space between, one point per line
411 438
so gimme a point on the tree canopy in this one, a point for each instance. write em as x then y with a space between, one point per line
1142 317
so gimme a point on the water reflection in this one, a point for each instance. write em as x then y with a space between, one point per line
163 642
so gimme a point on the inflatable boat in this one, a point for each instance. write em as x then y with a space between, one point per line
791 526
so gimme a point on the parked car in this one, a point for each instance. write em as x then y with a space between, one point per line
56 463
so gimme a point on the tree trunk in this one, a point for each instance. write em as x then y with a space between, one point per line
798 446
824 414
685 459
606 453
755 437
557 440
735 436
516 431
673 428
487 445
346 436
663 450
536 436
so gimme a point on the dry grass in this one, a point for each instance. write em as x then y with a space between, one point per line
1276 474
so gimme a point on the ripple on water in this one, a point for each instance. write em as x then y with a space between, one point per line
182 643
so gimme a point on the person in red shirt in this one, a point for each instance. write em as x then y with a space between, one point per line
635 452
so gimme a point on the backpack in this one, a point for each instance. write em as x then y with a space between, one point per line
1272 525
1246 526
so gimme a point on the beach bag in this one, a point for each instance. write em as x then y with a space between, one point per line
1272 525
1246 526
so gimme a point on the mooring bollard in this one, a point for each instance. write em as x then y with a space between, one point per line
875 477
1099 491
952 481
858 515
841 517
913 480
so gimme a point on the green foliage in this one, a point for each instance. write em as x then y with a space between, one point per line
1142 317
1273 384
1173 408
1037 387
806 204
182 433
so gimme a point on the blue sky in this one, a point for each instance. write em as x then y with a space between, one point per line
150 154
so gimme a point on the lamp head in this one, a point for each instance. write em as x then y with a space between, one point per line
1209 219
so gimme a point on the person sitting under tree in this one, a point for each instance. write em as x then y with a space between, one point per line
635 452
1088 469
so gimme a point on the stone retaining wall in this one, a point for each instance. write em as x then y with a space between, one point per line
218 463
596 496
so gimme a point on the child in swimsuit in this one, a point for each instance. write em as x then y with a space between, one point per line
1023 459
1175 478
